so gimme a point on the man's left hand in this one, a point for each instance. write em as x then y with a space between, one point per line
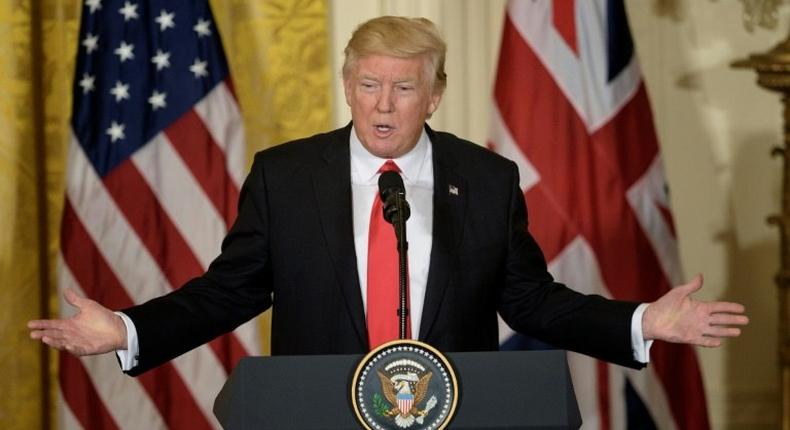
678 318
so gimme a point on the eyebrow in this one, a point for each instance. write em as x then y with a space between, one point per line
395 81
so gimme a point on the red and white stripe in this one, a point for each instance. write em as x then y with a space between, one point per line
593 180
405 404
149 226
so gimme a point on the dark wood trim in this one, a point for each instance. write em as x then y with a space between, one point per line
39 139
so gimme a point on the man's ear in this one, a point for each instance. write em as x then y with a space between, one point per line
436 98
347 90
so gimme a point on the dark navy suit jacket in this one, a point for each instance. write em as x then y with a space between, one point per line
292 247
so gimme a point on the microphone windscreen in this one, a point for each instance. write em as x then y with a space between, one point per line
390 181
390 188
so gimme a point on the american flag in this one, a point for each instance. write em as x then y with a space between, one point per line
155 163
571 109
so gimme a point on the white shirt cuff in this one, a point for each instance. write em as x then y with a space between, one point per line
639 345
128 357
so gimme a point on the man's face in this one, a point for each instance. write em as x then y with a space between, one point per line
390 100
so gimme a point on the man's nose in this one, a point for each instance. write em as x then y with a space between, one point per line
385 101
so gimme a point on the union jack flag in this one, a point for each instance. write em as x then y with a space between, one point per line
571 109
155 164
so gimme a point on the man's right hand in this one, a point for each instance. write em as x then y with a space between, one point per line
93 330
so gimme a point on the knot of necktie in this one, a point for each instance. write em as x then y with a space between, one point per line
389 166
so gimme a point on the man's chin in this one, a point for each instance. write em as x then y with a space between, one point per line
383 148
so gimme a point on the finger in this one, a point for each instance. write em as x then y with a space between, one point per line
723 331
709 342
728 319
726 307
49 333
37 334
53 342
44 324
37 324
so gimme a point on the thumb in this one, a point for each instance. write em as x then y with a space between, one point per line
692 286
73 298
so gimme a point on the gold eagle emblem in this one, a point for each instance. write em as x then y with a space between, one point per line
405 392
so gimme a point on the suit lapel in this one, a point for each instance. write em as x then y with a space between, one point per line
332 185
449 209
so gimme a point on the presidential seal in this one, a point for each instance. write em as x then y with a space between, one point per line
404 384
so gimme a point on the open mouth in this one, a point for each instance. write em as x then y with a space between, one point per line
383 130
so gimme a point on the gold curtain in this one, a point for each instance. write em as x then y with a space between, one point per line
278 55
279 59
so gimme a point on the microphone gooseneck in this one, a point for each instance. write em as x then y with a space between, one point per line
396 212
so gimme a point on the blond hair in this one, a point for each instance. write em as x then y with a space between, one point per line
400 37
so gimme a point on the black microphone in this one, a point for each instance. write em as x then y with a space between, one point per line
393 195
396 212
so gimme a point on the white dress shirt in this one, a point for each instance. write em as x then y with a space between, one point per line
417 172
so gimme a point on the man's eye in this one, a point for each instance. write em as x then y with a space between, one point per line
405 88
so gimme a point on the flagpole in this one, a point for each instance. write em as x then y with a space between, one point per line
41 196
773 73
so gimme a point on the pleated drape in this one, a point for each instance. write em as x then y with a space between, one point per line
279 59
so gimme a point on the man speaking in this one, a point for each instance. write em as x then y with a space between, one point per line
310 242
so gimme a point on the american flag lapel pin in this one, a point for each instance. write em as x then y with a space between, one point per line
453 190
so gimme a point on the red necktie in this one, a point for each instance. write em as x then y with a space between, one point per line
383 280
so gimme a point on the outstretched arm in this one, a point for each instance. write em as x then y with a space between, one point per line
678 318
93 330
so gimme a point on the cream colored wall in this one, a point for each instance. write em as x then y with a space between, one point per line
716 129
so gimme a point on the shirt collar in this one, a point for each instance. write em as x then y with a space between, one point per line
366 165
